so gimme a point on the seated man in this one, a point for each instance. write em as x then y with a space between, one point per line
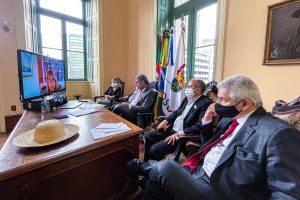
252 155
140 101
182 121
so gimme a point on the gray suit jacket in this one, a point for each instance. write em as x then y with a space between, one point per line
261 162
145 104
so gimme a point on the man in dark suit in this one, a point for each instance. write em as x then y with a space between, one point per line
140 101
252 155
185 120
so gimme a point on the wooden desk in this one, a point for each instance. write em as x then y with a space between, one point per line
78 168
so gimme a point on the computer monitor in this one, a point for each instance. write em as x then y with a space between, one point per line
39 75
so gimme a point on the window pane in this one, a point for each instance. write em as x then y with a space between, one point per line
68 7
74 37
177 31
75 65
179 2
53 53
51 32
205 43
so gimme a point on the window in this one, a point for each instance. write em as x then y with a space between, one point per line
200 17
179 2
61 29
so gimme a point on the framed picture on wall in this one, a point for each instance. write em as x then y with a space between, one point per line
282 44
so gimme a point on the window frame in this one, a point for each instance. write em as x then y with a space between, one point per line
64 19
190 8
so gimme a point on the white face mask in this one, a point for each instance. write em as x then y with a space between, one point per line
114 85
189 93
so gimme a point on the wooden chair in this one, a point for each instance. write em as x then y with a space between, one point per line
122 84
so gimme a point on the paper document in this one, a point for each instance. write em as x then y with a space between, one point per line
115 128
83 112
91 105
110 125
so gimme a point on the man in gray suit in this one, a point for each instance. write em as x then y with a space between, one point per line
140 101
250 154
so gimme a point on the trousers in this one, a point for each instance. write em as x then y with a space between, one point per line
168 180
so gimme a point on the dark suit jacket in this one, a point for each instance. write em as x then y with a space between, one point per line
193 119
111 92
261 162
145 104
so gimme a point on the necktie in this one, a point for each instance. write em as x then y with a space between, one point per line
196 159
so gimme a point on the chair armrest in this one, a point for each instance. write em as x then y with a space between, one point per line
186 138
97 97
192 146
161 118
141 114
189 137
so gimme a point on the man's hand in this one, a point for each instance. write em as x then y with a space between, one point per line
172 139
210 113
163 125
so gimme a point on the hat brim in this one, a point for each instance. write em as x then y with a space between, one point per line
26 139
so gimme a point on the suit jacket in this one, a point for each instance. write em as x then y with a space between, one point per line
261 162
193 120
145 104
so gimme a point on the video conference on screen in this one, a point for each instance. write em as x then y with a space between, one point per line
41 75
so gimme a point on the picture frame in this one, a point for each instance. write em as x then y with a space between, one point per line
27 67
282 44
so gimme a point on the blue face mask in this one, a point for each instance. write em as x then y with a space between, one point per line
227 111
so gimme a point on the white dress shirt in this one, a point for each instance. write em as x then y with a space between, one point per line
212 158
135 98
178 124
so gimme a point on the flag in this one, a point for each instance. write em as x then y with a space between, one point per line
163 67
174 83
158 52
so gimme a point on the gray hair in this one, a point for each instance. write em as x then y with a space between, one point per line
241 87
200 84
142 77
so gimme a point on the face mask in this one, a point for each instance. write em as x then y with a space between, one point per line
114 85
227 111
189 93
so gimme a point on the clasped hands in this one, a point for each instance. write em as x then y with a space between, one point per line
209 114
110 97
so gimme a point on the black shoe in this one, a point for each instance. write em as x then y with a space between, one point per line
137 167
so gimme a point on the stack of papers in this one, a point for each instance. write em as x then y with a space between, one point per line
108 129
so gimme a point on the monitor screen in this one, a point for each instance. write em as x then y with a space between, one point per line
39 75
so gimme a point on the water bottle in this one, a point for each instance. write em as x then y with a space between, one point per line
45 106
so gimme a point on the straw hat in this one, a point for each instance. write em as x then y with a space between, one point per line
46 133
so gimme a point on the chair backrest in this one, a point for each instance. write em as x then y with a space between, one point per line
154 85
122 85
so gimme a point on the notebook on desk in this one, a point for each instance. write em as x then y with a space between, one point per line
70 105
